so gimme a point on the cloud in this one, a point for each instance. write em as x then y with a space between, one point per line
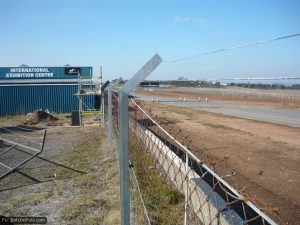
181 19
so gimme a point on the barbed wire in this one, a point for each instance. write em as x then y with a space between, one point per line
232 48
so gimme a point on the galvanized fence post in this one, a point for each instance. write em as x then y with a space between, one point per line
186 204
123 134
109 105
102 108
103 102
124 158
103 88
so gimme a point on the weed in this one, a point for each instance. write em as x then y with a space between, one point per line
220 126
12 203
42 196
81 208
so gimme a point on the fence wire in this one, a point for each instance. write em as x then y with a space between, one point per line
170 185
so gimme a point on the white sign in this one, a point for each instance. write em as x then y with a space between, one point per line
30 72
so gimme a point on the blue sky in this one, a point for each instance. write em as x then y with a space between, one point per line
122 35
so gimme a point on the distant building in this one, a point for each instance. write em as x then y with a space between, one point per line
26 89
149 84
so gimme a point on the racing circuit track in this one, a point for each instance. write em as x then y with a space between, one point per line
265 114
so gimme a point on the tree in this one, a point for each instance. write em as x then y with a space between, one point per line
182 78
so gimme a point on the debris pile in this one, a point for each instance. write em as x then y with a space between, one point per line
39 116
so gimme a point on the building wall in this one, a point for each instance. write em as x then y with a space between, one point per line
26 89
22 99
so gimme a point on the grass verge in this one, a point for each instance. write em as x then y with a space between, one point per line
163 202
95 199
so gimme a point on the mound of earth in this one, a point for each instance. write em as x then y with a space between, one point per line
39 116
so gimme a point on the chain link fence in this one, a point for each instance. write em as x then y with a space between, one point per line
170 185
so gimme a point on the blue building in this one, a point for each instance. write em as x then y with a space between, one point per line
26 89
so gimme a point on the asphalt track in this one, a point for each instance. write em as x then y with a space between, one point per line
265 114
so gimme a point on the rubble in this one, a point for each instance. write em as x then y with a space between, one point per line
39 116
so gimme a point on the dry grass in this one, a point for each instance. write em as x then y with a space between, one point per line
73 198
97 198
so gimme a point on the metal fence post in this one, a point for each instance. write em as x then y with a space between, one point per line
102 108
109 112
103 88
186 204
123 134
123 158
109 105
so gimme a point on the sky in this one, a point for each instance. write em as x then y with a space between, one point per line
121 36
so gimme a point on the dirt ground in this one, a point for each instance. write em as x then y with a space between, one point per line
265 157
74 182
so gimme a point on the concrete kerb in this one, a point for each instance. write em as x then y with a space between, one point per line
209 208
